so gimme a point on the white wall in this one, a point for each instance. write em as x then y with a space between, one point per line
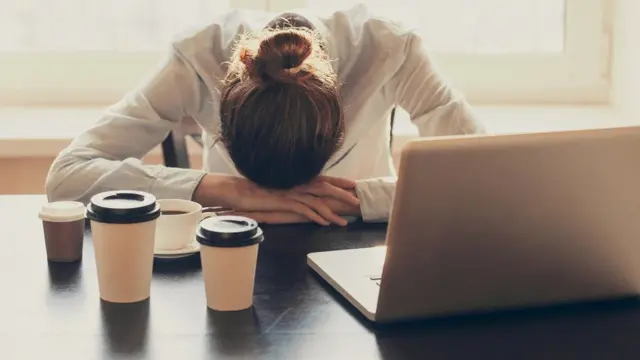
626 60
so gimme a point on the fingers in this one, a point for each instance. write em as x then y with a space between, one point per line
325 189
336 181
305 210
319 207
307 204
274 217
282 204
265 202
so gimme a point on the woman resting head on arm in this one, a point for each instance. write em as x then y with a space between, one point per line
282 120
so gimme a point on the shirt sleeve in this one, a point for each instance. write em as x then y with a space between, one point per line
435 107
376 198
108 155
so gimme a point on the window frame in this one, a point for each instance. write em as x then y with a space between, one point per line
579 76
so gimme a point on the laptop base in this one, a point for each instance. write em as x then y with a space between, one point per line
354 273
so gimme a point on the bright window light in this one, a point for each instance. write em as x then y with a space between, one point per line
476 26
91 52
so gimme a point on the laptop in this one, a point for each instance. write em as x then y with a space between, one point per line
488 223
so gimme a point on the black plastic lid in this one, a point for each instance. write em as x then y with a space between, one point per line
123 207
229 231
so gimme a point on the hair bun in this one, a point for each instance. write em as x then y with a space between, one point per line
280 56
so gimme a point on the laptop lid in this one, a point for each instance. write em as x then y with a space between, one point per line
493 222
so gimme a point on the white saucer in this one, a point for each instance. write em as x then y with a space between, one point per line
173 257
188 250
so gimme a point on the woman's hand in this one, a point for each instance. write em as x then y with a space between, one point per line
331 197
279 217
274 217
337 207
311 202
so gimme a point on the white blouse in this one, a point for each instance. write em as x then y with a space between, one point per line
379 64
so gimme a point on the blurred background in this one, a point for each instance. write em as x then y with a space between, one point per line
526 65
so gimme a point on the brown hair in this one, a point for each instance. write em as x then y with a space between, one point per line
281 112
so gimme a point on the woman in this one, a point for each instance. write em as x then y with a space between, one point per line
295 119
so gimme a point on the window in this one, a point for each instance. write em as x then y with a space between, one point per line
69 52
511 51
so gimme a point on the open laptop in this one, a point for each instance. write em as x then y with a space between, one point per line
485 223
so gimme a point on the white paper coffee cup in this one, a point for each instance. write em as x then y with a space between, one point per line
229 253
123 227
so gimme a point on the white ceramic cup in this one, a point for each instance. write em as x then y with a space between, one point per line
176 227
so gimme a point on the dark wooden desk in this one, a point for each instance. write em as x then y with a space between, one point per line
50 311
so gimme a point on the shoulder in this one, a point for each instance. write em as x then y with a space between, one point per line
362 26
360 36
208 46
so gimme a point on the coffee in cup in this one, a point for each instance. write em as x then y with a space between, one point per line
178 222
123 225
63 225
229 253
